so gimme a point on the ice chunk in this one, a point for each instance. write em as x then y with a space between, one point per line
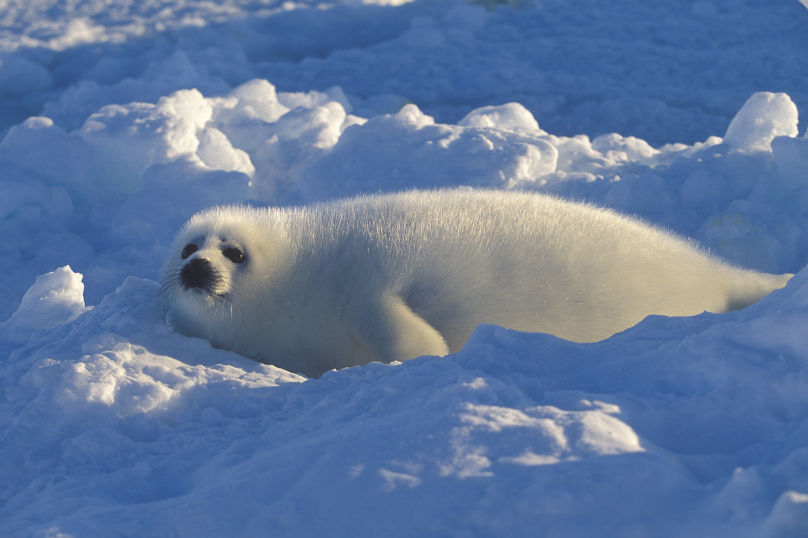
244 115
131 138
319 125
618 149
55 299
412 116
314 98
510 116
763 117
409 150
217 153
297 139
576 154
262 99
189 105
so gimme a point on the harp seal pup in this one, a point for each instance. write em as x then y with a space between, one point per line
393 277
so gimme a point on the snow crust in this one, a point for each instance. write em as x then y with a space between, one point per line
120 120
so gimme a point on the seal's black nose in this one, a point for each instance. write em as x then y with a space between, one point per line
198 273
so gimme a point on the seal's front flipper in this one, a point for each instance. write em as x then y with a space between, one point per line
395 333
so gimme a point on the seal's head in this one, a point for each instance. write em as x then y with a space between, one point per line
198 272
205 269
220 259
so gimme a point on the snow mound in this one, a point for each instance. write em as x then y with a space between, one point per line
55 299
763 117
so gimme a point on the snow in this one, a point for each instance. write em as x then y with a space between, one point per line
764 117
55 299
122 119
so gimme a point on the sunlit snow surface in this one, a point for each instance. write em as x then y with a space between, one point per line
121 119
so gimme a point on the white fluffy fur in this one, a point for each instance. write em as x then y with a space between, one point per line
393 277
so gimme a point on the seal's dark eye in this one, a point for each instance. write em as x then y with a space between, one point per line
189 249
234 255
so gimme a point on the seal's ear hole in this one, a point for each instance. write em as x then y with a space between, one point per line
189 249
234 255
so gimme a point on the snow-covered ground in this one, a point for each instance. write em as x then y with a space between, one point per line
121 119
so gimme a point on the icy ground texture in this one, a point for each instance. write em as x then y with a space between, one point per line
144 112
678 427
665 72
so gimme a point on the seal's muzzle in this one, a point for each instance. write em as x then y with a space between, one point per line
198 274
